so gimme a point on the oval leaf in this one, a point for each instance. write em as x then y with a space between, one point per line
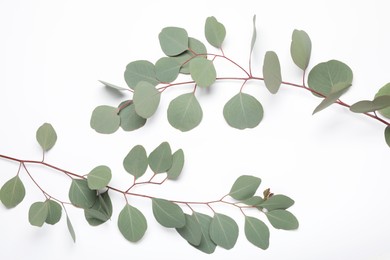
140 70
146 99
384 91
160 160
185 112
70 229
173 40
101 210
206 245
271 72
244 187
196 48
37 213
223 231
191 231
81 195
300 49
105 119
99 177
129 119
215 32
278 201
168 214
387 135
132 223
203 71
243 111
256 232
254 201
136 161
337 91
177 165
12 192
167 69
54 212
282 219
46 136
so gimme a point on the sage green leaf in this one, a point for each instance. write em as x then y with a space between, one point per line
129 119
184 112
243 111
254 35
244 187
81 195
100 212
271 72
337 91
132 223
140 70
203 71
167 69
300 49
37 213
256 232
282 219
105 119
325 75
387 135
206 245
136 161
177 165
384 91
46 136
146 99
54 212
173 40
99 177
70 229
160 159
191 231
112 86
223 231
168 214
215 32
196 48
253 201
12 192
277 201
365 106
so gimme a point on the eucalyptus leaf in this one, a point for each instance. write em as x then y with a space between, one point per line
12 192
160 159
271 72
253 201
168 214
81 195
202 71
54 212
99 177
384 91
146 99
46 136
300 48
177 165
215 32
167 69
132 223
173 40
101 211
129 119
206 245
140 70
196 49
37 213
243 111
244 187
257 232
112 86
136 161
254 35
184 112
70 229
387 135
105 119
337 91
223 231
191 231
282 219
277 201
365 106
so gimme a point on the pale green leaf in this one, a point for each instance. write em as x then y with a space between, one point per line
70 229
215 32
12 192
337 91
365 106
282 219
223 231
132 223
254 35
168 214
81 195
46 136
387 135
271 72
206 245
140 70
136 161
54 212
173 40
203 71
384 91
256 232
100 212
277 201
99 177
105 119
177 165
146 99
184 112
244 187
129 119
300 48
37 213
167 69
160 159
253 201
191 231
112 86
196 48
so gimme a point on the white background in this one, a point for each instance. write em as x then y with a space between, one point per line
334 164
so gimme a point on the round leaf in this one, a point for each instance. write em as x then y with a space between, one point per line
12 192
197 48
54 212
282 219
167 69
99 177
140 70
243 111
203 71
173 40
185 112
300 49
223 231
191 231
46 136
387 135
168 214
271 72
105 120
256 232
100 212
244 187
37 213
132 223
136 161
81 195
146 99
160 159
177 165
206 244
215 32
278 201
130 120
384 91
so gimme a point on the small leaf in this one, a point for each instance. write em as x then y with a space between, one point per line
271 72
203 71
365 106
243 111
253 201
132 223
168 214
256 232
338 90
277 201
167 69
173 40
100 212
185 112
140 70
195 47
177 165
282 219
12 192
191 231
105 119
206 244
54 212
244 187
160 159
70 229
387 135
37 213
146 99
223 231
130 120
99 177
81 195
300 49
46 136
215 32
112 86
136 161
254 35
384 91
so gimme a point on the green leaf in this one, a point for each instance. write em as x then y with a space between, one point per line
191 231
99 177
37 213
168 214
173 40
140 70
365 106
203 71
243 111
337 91
112 86
215 32
278 201
271 72
129 119
177 165
300 49
196 47
146 99
185 112
206 244
100 212
223 231
105 119
253 201
54 212
167 69
132 223
70 229
282 219
136 161
256 232
387 135
12 192
244 187
81 195
324 76
46 136
254 35
384 91
160 159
